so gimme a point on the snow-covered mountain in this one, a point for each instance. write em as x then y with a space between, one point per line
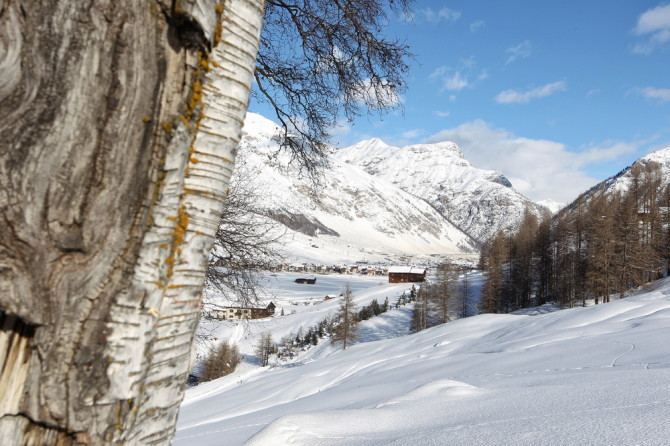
349 212
622 181
479 202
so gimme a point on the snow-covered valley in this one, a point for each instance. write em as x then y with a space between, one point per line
592 376
595 375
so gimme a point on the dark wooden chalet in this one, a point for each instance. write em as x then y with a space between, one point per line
402 274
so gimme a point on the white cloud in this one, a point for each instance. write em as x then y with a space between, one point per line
454 82
607 151
341 129
441 114
540 169
660 94
521 51
411 134
465 75
520 97
474 26
429 15
654 24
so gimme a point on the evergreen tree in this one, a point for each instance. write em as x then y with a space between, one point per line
375 308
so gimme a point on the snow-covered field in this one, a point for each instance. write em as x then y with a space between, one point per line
586 376
303 305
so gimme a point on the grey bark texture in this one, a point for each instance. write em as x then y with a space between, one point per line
106 204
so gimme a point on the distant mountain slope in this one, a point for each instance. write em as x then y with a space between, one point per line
621 181
350 206
479 202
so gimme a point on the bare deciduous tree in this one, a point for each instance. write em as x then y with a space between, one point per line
264 348
321 58
247 243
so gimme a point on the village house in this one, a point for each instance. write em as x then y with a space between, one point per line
402 274
228 313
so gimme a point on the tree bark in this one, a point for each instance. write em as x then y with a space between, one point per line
119 122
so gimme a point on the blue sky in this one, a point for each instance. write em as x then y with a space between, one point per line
555 95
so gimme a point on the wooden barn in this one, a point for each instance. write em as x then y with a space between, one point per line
228 313
402 274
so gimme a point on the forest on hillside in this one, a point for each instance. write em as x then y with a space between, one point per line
606 242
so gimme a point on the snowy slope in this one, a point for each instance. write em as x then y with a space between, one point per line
622 181
304 306
584 376
553 206
479 202
350 211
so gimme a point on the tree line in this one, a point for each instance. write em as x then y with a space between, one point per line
613 238
446 298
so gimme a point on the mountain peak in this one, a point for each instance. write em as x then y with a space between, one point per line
480 202
256 125
444 148
661 156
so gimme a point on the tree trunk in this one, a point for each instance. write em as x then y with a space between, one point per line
119 122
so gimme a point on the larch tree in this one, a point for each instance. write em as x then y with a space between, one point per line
420 310
447 277
247 242
664 230
524 241
119 122
492 262
465 294
601 273
346 324
544 251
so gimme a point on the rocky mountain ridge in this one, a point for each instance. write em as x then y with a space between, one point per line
479 202
350 210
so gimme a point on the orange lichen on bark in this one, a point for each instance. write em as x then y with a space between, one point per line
178 235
